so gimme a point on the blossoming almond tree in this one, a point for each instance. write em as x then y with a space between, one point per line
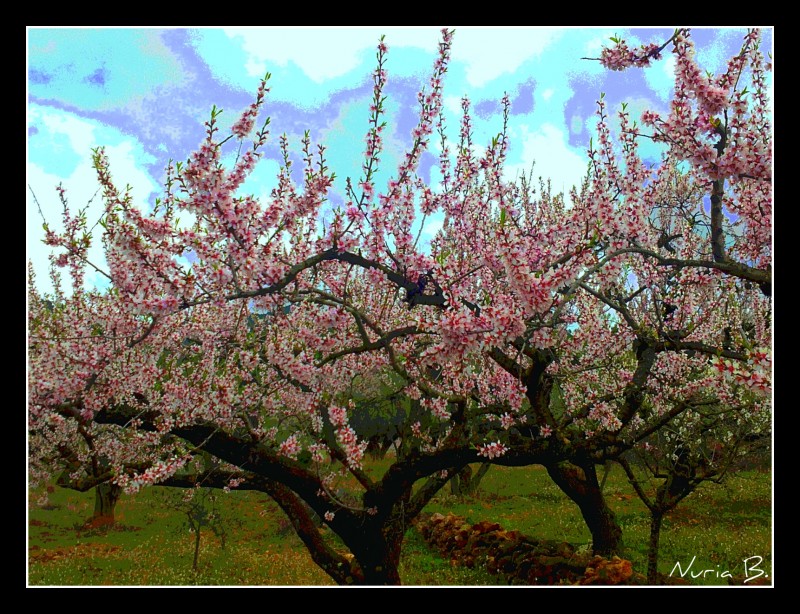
140 382
721 126
530 332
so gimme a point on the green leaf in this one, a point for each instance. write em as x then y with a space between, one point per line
502 217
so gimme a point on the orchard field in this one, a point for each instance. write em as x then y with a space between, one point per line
436 369
150 544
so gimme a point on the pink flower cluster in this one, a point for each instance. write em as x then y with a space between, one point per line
244 125
438 407
337 415
491 450
755 375
605 415
158 472
290 447
346 437
620 56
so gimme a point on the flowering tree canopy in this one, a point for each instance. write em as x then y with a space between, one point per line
238 335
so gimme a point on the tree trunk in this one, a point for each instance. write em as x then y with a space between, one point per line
196 547
606 471
479 475
652 552
579 483
465 483
106 496
383 572
455 486
460 482
379 562
377 551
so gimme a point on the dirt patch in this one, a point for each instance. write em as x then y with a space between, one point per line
94 528
79 551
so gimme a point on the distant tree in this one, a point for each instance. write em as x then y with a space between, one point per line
704 445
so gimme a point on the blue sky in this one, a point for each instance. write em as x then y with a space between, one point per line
144 94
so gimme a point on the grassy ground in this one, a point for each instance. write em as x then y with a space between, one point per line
721 525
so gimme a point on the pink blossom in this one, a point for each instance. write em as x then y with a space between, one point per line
290 447
507 420
492 450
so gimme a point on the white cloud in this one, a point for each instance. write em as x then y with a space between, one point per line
661 76
325 52
81 184
491 52
669 66
79 132
453 104
548 93
547 149
594 46
433 225
124 160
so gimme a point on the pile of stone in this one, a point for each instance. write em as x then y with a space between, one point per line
520 559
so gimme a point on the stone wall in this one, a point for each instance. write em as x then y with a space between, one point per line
520 559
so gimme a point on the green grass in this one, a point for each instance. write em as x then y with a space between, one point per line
150 544
720 525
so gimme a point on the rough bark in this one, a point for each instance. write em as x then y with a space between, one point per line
652 551
579 483
378 556
479 475
105 501
460 482
196 548
466 483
